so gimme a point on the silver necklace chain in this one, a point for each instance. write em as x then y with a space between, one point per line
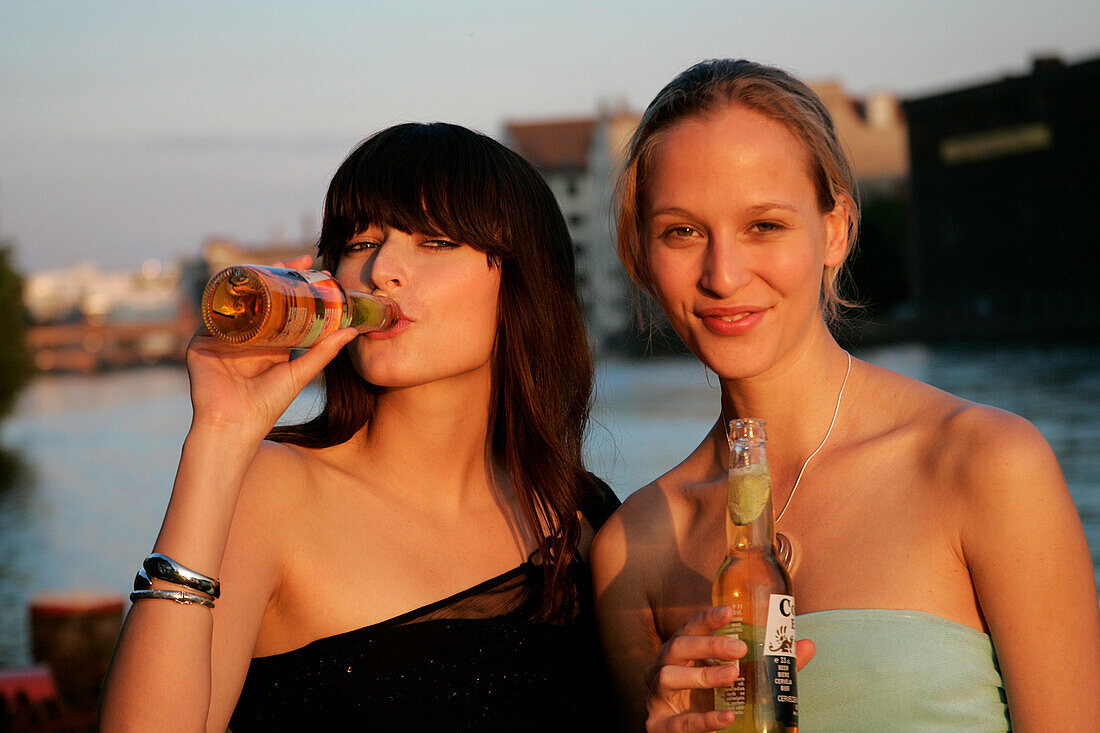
832 423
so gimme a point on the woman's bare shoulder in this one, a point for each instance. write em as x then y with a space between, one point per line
277 505
278 469
645 531
961 445
634 515
672 496
281 482
275 457
990 454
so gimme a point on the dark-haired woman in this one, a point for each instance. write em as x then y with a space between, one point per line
414 557
938 562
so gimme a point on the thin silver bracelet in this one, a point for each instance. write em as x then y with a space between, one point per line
162 567
179 596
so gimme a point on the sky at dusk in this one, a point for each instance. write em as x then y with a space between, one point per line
136 130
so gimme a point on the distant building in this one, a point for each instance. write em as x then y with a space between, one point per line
873 131
1005 187
581 157
84 319
86 292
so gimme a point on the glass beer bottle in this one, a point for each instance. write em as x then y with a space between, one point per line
253 305
755 584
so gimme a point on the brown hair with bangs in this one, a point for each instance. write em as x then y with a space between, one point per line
441 179
711 85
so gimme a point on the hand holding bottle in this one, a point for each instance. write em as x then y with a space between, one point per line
684 663
167 652
249 389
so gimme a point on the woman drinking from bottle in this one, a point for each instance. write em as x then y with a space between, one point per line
937 560
413 558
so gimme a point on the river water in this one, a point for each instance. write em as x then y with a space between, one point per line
98 453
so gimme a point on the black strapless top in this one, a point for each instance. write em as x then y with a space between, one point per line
479 660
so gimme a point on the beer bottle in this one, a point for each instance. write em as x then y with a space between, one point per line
252 305
755 584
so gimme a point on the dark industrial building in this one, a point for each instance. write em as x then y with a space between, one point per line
1006 207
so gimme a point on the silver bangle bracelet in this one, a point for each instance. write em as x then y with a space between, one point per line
142 581
162 567
179 596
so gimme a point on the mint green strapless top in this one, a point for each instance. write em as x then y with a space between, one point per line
886 670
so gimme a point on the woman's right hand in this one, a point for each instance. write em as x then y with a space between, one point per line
683 665
248 389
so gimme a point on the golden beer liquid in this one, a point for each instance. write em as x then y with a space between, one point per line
251 305
748 578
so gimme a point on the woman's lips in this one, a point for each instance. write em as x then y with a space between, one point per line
731 321
401 325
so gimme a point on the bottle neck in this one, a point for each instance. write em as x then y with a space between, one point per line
749 523
369 312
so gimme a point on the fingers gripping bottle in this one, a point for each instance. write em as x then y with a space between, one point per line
251 305
755 584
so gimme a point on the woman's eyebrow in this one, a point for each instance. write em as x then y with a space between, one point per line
751 210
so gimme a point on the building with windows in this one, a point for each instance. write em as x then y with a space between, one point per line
579 159
1004 189
873 131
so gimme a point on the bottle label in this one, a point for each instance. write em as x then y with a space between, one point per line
334 320
297 323
732 697
779 660
306 326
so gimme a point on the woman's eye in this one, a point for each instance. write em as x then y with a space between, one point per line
360 246
440 244
680 232
767 227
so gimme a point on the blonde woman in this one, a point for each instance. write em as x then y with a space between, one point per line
938 562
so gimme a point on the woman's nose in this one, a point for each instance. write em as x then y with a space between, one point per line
389 265
724 268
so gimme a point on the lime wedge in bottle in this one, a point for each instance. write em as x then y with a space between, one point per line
749 491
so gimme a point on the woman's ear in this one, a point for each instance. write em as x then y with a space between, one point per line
837 230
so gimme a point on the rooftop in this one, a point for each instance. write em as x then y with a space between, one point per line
554 144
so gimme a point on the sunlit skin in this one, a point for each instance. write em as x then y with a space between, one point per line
918 501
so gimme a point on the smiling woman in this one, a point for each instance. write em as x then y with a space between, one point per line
738 210
415 555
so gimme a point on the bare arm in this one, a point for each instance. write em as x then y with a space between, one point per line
1032 573
625 619
187 659
165 650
